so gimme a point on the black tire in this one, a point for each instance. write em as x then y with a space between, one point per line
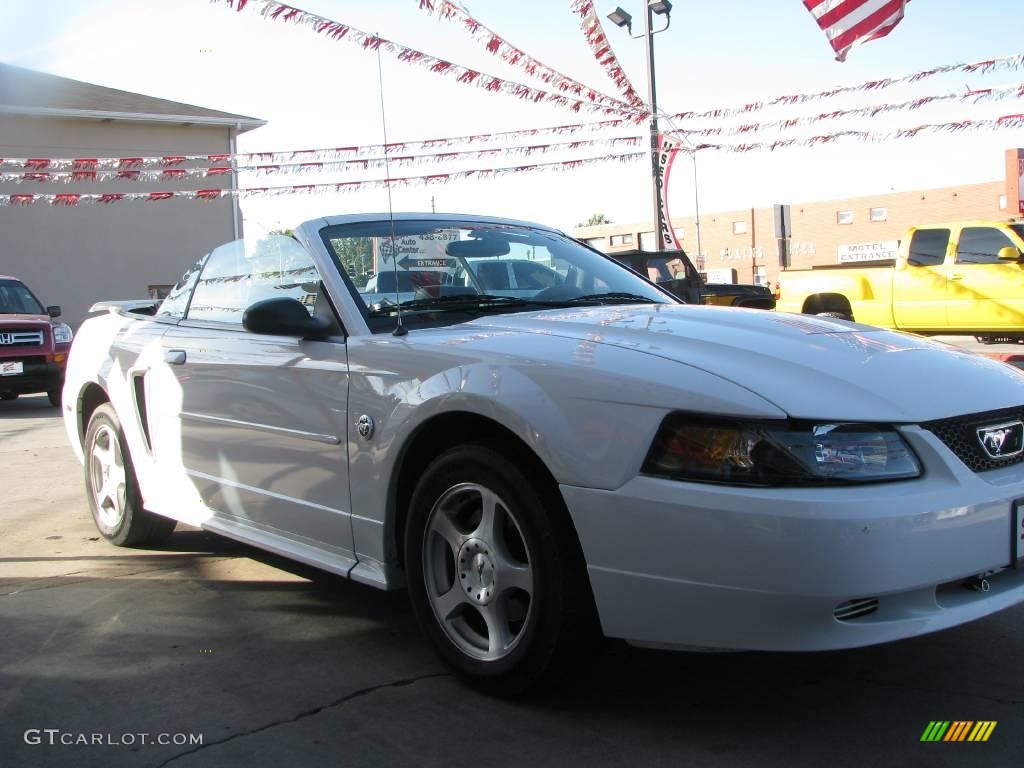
836 315
558 630
119 516
6 396
54 395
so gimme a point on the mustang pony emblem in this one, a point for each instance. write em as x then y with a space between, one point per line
1001 441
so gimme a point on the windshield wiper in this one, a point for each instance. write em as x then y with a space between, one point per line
469 301
611 296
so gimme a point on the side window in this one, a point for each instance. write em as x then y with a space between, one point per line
533 276
243 272
928 247
177 300
980 245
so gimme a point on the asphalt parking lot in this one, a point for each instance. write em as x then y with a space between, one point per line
273 663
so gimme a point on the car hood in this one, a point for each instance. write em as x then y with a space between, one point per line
23 321
810 367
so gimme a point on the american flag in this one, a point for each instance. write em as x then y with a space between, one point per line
847 23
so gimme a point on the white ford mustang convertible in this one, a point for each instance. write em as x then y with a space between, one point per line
542 446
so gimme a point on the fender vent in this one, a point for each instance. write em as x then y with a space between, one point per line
855 609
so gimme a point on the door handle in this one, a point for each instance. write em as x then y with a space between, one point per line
956 277
174 356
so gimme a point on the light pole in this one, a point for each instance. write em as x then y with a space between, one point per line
620 18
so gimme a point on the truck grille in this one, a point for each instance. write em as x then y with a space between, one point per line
10 337
960 435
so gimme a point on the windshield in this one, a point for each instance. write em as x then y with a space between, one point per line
458 269
15 299
1019 229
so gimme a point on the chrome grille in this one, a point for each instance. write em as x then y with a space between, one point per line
960 435
10 337
855 609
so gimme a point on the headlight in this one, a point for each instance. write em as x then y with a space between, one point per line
62 334
778 453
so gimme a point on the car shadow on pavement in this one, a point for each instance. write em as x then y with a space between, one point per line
28 407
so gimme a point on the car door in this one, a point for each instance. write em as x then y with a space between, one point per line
919 281
262 419
984 292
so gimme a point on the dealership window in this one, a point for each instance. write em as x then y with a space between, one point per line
844 217
1002 202
980 245
761 276
739 227
879 214
597 243
619 240
648 242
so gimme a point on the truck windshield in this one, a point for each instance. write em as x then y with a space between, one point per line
16 299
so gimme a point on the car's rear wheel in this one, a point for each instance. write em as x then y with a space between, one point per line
112 489
495 574
836 315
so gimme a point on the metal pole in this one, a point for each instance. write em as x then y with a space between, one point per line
696 202
652 99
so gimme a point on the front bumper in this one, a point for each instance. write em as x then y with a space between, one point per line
37 377
688 564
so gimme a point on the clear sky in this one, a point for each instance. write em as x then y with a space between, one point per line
316 92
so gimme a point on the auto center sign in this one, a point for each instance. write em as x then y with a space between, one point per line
885 249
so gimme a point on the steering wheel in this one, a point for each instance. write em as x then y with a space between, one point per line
558 293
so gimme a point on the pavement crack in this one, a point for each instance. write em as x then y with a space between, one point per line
307 713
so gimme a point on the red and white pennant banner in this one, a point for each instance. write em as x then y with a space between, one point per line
336 30
514 56
338 166
847 23
974 97
322 154
482 174
1006 122
601 47
1000 64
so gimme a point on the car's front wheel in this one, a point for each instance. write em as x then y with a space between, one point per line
495 572
112 489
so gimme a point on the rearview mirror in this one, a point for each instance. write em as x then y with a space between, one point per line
1009 253
284 317
53 311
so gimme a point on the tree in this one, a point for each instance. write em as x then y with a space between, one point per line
595 219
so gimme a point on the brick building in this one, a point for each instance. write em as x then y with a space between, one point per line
741 247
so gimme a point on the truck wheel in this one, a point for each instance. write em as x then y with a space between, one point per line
496 576
836 315
112 489
54 397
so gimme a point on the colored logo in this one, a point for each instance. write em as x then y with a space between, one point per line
958 730
1001 441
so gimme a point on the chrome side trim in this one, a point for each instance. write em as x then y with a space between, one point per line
315 437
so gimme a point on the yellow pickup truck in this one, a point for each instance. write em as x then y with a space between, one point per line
963 278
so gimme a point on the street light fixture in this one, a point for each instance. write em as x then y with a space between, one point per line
621 18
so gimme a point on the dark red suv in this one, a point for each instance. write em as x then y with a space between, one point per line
33 348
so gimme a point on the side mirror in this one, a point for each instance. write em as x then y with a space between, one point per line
1009 253
284 317
53 311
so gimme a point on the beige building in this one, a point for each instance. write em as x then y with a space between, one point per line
741 247
74 256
